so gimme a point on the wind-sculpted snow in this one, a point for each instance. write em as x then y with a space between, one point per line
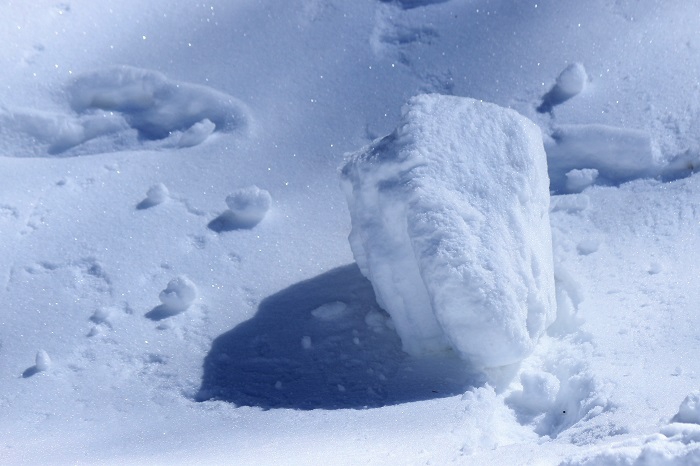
450 223
153 104
124 108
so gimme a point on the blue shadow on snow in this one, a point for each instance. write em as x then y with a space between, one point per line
287 356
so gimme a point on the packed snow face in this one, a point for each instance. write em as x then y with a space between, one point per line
450 223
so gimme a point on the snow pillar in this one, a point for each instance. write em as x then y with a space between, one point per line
450 223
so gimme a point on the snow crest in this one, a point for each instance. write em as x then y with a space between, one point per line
450 223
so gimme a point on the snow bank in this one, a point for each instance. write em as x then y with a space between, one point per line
155 105
450 223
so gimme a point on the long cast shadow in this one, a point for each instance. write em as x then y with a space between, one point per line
324 343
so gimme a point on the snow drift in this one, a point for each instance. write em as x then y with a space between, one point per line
450 223
155 105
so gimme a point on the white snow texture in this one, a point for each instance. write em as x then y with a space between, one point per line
450 223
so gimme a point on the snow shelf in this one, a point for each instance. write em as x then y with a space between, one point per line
450 223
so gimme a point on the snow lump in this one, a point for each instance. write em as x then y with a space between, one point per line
178 295
247 206
450 223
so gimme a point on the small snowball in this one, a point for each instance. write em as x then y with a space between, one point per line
248 206
689 411
306 342
572 80
43 361
578 180
588 246
655 267
157 194
278 385
179 294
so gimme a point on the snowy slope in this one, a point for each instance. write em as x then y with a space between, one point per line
284 356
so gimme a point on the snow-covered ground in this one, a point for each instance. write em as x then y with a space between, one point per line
176 279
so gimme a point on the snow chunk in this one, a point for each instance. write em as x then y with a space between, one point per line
330 311
450 223
570 83
616 154
197 133
248 206
178 295
43 361
578 180
157 194
689 410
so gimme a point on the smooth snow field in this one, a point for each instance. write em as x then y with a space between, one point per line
350 232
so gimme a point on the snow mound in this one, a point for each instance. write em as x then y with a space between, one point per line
178 295
155 105
450 223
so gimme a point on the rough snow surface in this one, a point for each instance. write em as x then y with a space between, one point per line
450 223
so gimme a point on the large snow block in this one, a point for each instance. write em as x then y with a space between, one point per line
450 223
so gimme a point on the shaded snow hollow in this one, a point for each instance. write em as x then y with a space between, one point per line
450 223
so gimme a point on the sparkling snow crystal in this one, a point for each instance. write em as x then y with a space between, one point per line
450 223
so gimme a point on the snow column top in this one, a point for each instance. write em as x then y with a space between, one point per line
450 223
